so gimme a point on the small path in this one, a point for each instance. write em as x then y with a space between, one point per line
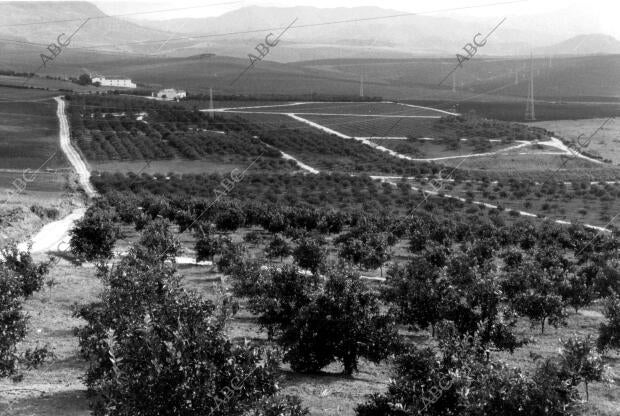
286 156
427 108
72 155
300 164
393 153
318 126
55 235
552 142
558 144
491 206
232 111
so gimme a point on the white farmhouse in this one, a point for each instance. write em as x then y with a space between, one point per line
114 82
171 94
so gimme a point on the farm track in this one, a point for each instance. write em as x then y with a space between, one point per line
300 164
552 142
55 235
72 155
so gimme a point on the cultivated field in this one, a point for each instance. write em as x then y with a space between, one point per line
182 156
387 109
29 135
602 136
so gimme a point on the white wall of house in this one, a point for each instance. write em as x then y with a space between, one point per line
123 83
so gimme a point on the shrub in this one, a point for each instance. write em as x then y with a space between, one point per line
278 247
310 254
155 349
93 237
41 212
159 241
206 247
581 361
12 321
30 275
455 379
609 332
20 277
317 321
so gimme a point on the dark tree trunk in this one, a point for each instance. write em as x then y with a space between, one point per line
350 363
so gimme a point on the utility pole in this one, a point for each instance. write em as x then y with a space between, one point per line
211 103
516 76
362 85
529 106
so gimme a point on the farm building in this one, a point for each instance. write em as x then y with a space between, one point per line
114 82
171 94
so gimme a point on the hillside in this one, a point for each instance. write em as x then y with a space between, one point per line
585 45
42 22
554 78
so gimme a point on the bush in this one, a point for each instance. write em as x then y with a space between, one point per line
20 277
310 254
30 276
609 332
318 321
455 379
12 321
159 241
278 247
581 362
206 247
41 212
93 237
155 349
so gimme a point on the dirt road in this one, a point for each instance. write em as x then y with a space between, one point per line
72 155
55 235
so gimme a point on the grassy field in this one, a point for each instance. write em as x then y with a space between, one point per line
602 134
45 83
591 204
9 94
380 108
436 148
535 166
33 169
515 111
29 135
374 126
222 165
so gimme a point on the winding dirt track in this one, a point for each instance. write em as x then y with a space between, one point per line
72 155
552 142
55 235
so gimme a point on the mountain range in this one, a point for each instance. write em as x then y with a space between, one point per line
327 51
357 32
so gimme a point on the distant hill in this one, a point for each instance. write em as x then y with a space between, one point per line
42 22
557 78
342 33
585 45
323 59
